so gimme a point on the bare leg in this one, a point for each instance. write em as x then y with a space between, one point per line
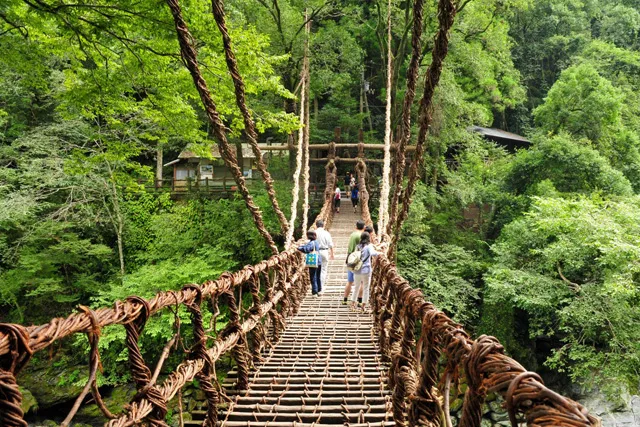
347 289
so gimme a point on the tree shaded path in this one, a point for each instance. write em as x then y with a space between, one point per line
326 369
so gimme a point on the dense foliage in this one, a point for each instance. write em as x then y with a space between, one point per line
539 247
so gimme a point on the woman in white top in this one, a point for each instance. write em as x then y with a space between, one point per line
336 198
363 276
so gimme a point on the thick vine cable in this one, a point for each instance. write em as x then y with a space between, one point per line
296 174
405 135
446 15
306 129
250 127
190 59
383 214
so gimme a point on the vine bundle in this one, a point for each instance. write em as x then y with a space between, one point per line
280 277
425 374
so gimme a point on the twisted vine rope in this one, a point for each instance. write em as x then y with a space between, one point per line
306 129
414 371
383 211
296 174
250 128
190 59
446 15
361 170
405 135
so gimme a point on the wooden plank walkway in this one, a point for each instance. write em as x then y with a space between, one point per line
326 368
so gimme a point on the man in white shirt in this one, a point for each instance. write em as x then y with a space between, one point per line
325 242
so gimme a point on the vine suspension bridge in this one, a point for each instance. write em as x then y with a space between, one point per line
303 361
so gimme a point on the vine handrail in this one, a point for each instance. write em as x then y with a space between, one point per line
422 390
284 290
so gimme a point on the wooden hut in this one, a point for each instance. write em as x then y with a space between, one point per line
192 169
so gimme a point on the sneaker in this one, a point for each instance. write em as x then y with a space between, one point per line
321 293
344 302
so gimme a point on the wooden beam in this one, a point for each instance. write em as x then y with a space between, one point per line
376 147
346 160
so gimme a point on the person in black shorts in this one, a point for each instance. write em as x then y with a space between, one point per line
336 199
355 193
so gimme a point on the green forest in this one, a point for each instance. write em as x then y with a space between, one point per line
538 246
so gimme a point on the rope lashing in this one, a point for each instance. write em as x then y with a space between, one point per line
206 376
11 414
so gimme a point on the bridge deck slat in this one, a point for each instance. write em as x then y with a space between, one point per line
326 369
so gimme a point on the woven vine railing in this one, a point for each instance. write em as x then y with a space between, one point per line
427 368
277 287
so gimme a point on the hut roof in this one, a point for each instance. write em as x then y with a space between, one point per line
502 137
247 153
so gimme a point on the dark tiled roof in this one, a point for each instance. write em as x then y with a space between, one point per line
498 133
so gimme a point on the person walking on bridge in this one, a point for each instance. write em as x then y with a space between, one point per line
337 196
354 197
363 276
354 239
325 242
314 272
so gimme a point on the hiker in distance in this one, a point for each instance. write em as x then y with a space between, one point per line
325 243
354 197
361 266
354 240
336 198
313 260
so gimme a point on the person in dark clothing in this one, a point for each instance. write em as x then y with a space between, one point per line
314 273
355 194
347 180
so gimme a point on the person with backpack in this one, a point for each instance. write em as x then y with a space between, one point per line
362 271
354 197
336 198
354 239
313 261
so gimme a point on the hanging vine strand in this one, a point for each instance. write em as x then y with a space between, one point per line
299 155
446 15
383 213
249 125
306 128
405 129
190 59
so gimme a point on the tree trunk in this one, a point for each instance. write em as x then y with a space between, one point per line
366 106
315 110
159 162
